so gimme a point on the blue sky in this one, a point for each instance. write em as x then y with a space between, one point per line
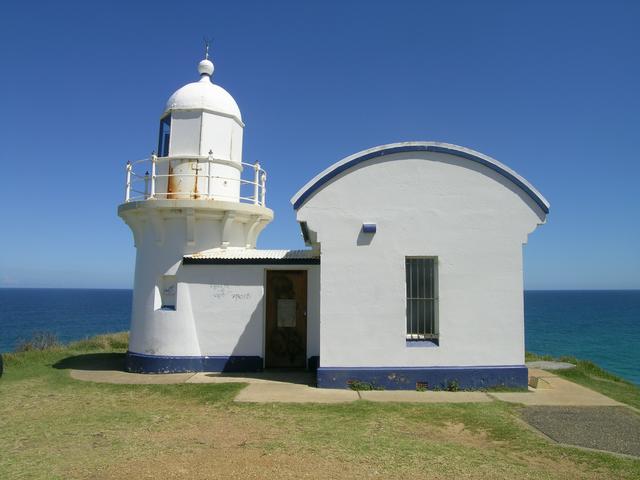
549 88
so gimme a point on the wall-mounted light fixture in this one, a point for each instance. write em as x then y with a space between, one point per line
369 228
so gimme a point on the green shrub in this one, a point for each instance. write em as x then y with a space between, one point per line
110 341
39 341
453 386
365 386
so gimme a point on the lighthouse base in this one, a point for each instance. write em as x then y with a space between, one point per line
142 363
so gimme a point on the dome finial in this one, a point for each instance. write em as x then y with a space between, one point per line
205 67
207 42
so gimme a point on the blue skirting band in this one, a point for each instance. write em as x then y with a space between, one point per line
431 378
141 363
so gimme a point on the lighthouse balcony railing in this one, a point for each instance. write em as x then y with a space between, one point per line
144 186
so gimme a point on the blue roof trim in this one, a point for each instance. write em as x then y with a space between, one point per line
458 152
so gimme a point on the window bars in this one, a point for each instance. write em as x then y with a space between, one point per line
422 298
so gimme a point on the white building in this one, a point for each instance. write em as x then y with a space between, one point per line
413 276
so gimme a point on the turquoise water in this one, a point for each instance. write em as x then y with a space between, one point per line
602 326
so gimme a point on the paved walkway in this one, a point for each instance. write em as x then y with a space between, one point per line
556 391
297 387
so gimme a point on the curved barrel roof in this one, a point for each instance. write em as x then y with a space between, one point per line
351 161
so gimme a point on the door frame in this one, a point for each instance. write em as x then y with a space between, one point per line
284 269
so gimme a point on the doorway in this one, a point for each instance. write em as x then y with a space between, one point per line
286 319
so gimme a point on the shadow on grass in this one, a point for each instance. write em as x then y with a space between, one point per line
93 361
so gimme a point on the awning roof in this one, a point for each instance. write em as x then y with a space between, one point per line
251 256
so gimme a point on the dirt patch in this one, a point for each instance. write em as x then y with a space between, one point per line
237 462
456 432
228 445
453 433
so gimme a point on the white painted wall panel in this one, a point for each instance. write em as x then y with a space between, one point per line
217 135
424 204
185 133
219 309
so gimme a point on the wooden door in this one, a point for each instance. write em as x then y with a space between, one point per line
286 319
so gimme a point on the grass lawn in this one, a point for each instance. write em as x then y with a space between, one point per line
52 426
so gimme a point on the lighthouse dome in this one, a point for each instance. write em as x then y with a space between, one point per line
204 95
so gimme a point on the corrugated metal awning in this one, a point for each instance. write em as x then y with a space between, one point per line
251 256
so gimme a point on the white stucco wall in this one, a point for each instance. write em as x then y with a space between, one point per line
222 136
219 310
227 304
424 204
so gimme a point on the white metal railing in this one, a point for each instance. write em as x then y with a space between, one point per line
145 186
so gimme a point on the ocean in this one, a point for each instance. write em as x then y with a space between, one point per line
602 326
598 325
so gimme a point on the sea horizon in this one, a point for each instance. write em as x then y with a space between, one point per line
10 287
600 325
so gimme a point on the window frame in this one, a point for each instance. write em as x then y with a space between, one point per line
164 136
426 330
168 290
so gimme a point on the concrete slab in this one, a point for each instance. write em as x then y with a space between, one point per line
270 392
539 383
115 376
424 397
558 391
550 365
536 372
285 377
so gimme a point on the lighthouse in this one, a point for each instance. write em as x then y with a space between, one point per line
412 275
195 194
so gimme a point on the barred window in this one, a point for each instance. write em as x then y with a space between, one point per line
422 298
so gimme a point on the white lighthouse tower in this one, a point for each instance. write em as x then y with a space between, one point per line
194 195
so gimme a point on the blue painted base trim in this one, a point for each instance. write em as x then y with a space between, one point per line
141 363
313 363
432 378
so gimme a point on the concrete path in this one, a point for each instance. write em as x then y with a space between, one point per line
557 392
286 377
283 393
298 387
278 387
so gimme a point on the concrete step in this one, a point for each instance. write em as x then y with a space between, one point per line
539 383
